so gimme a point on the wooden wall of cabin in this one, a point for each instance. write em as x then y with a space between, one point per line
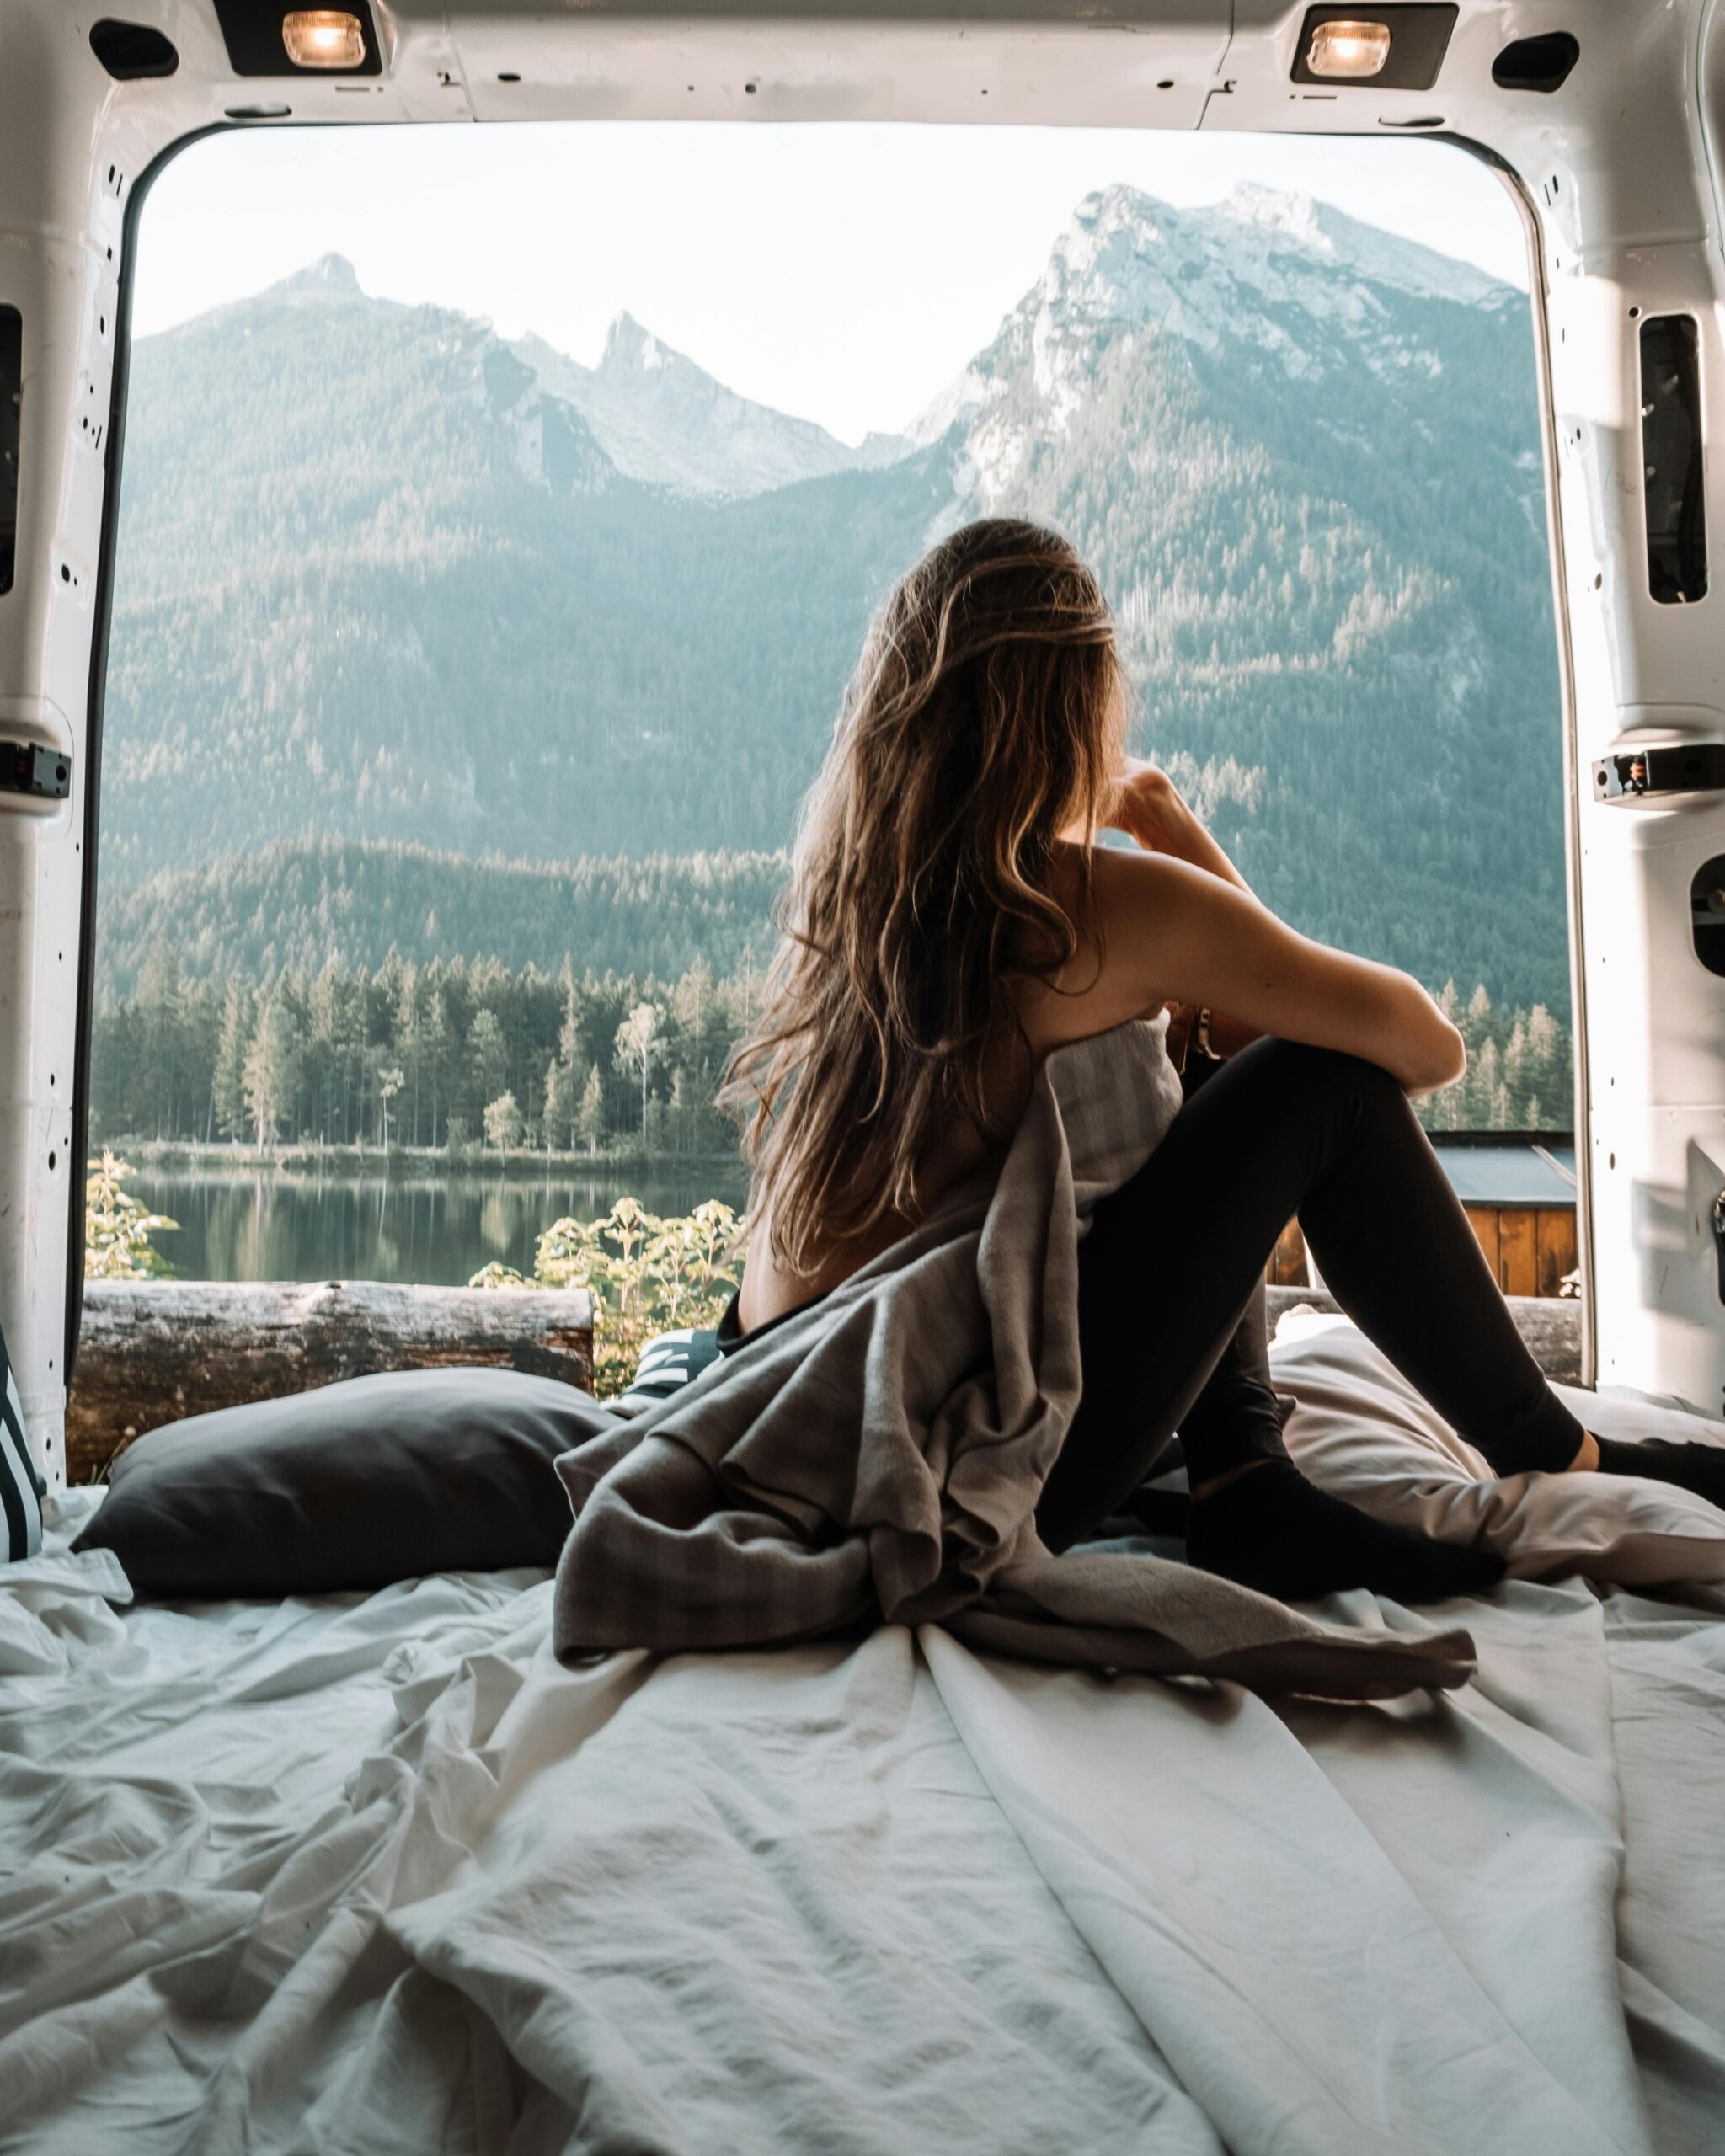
1530 1247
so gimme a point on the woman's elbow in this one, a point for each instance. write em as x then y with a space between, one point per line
1441 1062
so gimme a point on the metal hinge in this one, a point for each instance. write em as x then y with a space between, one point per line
26 768
1669 767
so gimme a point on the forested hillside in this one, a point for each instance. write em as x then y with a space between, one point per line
291 908
404 657
429 608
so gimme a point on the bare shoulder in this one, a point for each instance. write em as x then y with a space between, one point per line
1112 975
1161 931
1126 883
1146 904
1132 886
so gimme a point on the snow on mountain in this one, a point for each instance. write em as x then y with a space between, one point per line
1279 273
662 420
1329 236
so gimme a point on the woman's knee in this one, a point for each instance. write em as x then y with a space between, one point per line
1301 1069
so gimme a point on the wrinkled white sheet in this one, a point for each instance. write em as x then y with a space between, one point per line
1360 1428
378 1875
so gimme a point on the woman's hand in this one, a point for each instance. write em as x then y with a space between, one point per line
1147 806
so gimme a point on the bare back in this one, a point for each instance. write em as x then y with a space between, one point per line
1086 997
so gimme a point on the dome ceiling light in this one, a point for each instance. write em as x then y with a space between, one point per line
323 37
1367 48
264 37
1345 50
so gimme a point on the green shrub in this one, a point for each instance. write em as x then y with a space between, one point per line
645 1274
117 1229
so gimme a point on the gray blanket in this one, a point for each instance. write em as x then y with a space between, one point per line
880 1455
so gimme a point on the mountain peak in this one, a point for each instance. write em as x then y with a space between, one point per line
628 346
1277 209
661 418
1275 218
1268 272
331 276
1349 243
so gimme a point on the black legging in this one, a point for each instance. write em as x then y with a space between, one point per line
1171 1281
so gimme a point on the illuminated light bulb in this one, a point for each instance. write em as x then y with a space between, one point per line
323 37
1348 50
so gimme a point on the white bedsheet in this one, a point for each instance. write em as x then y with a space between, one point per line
378 1875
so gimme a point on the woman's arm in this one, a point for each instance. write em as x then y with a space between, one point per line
1176 933
1147 806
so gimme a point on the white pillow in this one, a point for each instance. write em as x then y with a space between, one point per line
1362 1431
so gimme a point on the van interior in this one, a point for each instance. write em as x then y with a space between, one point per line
403 716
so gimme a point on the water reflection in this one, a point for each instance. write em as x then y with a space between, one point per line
286 1224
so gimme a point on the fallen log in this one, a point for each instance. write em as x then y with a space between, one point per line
152 1352
1551 1325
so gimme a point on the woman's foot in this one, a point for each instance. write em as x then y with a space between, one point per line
1696 1467
1271 1529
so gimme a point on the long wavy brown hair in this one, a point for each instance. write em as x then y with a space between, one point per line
983 716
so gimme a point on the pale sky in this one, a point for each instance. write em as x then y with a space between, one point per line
842 273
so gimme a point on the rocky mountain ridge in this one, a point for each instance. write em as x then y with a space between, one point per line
489 601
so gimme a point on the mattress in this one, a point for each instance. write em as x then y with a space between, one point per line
377 1874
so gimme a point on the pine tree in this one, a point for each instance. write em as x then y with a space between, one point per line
692 1003
639 1046
159 1008
435 1042
1485 1091
324 1004
590 1116
487 1053
238 1018
568 1038
404 1039
273 1069
560 1102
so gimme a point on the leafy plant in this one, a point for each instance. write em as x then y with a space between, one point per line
503 1123
646 1274
118 1228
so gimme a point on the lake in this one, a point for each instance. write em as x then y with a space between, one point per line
240 1223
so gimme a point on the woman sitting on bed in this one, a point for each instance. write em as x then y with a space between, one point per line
951 919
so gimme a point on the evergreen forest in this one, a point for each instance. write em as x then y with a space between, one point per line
479 1059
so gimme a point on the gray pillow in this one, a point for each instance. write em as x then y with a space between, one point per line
374 1480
